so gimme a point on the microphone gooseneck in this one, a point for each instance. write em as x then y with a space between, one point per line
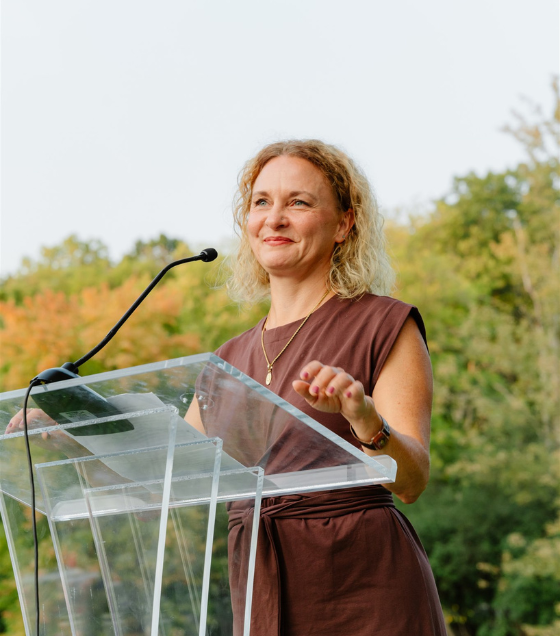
69 370
53 375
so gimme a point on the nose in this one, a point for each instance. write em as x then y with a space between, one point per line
276 218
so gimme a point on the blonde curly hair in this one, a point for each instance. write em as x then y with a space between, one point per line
359 264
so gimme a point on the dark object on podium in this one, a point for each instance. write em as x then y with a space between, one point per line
78 403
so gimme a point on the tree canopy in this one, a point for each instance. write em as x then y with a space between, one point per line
483 268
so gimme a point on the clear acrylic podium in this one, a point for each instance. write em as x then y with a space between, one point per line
132 507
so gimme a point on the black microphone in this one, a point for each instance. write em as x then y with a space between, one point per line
209 254
80 402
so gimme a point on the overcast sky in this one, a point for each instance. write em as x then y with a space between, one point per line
122 119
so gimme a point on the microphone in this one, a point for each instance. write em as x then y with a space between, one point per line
209 254
81 402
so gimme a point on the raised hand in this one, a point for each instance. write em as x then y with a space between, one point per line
332 390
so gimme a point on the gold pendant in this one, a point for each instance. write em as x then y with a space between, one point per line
268 377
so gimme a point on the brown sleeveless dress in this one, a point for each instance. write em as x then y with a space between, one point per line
337 562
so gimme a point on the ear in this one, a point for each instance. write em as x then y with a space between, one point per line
346 223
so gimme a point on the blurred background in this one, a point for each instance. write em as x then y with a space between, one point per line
124 126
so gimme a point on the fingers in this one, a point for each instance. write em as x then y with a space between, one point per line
330 389
315 379
316 373
328 379
310 370
35 419
16 423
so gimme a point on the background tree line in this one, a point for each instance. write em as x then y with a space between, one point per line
483 267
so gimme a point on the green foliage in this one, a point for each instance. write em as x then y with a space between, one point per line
9 606
69 267
483 268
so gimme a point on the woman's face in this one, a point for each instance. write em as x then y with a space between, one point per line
294 221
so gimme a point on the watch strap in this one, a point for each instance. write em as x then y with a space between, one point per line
379 440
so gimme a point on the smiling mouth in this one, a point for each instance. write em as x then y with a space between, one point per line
277 240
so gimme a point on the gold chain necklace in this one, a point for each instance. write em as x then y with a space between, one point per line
271 364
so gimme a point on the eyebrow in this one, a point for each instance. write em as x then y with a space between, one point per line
290 194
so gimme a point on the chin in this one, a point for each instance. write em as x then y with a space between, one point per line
277 269
274 263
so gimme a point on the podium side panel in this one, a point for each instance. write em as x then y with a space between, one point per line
16 522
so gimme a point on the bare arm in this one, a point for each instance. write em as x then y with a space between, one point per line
403 395
97 474
55 440
192 416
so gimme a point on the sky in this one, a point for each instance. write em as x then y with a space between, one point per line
124 119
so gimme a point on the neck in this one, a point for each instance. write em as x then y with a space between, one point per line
291 302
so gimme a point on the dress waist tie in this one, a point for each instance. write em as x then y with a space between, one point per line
266 612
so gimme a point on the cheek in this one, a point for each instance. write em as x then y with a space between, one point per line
253 225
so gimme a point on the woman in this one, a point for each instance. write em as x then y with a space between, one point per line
346 562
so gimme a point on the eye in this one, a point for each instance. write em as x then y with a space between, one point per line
299 203
259 203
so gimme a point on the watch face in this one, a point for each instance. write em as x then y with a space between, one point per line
380 440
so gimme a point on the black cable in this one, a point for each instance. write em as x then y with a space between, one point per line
33 522
53 375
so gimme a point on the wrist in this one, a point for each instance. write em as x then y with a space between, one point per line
368 422
373 437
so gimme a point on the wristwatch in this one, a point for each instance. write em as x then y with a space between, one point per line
379 440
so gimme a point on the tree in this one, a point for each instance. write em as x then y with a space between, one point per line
489 255
67 267
483 268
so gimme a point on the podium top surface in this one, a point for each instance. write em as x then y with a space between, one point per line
128 411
